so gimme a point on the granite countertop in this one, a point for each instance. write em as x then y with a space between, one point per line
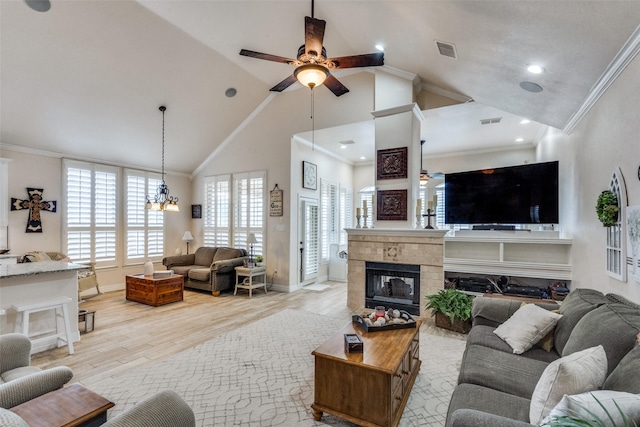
42 267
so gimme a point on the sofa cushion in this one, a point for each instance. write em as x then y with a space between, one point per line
578 303
227 253
612 325
483 335
472 396
626 376
204 256
528 325
201 274
183 269
502 371
606 405
579 372
11 419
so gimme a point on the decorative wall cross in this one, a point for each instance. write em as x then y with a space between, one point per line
35 204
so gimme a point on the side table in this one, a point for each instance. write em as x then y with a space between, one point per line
250 273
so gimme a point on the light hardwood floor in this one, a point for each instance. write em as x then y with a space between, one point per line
128 334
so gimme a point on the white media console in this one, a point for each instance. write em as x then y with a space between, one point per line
514 253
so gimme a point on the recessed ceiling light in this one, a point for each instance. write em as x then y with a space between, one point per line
380 47
363 158
531 87
525 121
231 92
535 69
519 139
343 146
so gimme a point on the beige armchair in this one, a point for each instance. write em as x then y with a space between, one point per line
21 382
87 279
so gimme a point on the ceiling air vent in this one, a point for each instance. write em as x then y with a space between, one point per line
447 49
490 121
347 142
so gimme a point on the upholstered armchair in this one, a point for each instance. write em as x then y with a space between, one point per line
163 409
20 382
87 279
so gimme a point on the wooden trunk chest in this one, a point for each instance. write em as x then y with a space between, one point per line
154 292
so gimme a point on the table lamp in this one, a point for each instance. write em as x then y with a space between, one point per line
187 237
252 241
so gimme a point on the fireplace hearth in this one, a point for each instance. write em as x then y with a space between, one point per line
393 286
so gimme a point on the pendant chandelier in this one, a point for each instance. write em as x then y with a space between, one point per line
162 201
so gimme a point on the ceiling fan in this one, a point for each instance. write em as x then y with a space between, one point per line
313 68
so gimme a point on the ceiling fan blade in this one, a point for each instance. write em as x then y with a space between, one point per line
265 56
366 60
313 35
284 84
335 86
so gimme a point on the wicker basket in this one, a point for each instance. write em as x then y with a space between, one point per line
461 326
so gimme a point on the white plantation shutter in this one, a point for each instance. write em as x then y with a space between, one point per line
248 212
329 218
144 228
91 212
217 210
346 213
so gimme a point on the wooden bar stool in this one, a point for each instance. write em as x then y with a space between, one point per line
60 305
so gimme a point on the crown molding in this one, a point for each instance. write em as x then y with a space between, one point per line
628 52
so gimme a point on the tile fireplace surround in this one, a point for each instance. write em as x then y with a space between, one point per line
418 247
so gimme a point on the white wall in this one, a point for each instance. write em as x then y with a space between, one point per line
606 138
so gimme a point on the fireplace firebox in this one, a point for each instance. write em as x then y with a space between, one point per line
393 286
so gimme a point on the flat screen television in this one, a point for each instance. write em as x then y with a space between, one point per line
526 194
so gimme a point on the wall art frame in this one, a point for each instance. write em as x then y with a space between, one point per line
391 205
196 211
392 163
309 175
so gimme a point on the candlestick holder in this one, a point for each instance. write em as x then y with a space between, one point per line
429 214
418 221
358 221
365 221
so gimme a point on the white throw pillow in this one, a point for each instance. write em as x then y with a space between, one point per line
576 373
528 325
597 402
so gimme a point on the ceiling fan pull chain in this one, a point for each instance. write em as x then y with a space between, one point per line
312 15
313 123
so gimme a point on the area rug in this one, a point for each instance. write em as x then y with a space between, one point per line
262 375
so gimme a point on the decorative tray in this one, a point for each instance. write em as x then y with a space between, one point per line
407 321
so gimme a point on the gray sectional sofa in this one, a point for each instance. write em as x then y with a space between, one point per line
495 386
209 268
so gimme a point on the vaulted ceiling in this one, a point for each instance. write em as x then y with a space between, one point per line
85 78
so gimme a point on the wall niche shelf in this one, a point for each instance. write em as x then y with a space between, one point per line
540 256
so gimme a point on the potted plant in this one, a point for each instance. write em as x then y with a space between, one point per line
259 260
607 208
452 309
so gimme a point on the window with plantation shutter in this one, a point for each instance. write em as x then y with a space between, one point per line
234 208
346 213
329 218
144 227
217 211
249 209
91 212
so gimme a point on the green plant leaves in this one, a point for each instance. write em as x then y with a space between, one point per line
607 208
451 302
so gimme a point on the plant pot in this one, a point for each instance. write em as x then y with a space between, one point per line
461 326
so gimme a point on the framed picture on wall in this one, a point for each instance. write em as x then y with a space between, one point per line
196 211
392 205
309 175
392 163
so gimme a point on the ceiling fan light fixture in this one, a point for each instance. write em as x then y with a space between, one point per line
424 178
311 75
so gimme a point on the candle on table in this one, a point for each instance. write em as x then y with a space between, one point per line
373 205
365 211
419 207
430 204
357 211
435 200
364 204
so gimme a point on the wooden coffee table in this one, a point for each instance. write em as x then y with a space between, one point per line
155 292
67 407
369 388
